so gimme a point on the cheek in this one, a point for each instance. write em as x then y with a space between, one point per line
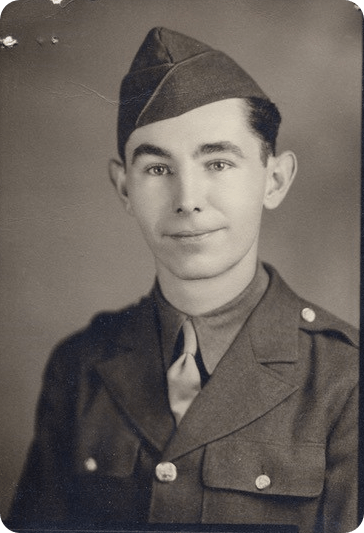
146 208
240 199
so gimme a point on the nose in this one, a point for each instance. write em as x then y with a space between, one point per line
189 194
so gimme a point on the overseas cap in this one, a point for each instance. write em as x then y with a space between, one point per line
172 74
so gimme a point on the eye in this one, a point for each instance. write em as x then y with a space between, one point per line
159 170
219 166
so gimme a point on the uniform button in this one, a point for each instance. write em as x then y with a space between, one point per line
308 314
166 472
90 464
262 482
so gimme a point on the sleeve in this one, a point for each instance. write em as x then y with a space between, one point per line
340 513
45 489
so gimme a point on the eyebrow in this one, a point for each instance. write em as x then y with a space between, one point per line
203 149
149 149
218 147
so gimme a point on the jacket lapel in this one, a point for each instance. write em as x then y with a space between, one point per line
239 391
135 378
242 389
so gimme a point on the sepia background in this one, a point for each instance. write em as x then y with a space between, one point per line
67 248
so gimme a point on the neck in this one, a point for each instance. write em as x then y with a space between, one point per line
196 297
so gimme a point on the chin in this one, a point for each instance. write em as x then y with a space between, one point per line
199 272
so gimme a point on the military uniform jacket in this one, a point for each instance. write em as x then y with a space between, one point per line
271 438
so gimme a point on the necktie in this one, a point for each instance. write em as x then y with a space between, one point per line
183 377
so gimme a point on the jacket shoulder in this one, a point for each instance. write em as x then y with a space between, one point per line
107 324
312 318
105 328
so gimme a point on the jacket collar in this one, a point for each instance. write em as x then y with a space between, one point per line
274 325
240 391
241 387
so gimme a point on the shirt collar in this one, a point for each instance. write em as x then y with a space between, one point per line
215 330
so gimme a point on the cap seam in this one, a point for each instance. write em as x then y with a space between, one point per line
165 47
165 77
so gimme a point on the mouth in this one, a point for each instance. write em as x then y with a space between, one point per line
193 236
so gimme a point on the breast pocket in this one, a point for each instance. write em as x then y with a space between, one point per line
272 468
260 482
107 487
107 444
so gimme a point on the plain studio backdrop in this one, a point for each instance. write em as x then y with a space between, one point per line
69 250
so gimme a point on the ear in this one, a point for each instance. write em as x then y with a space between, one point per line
117 175
281 173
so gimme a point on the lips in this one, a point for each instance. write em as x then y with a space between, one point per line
193 235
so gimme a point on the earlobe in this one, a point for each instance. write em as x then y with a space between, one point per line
282 172
118 178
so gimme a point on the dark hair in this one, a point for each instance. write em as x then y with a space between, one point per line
264 119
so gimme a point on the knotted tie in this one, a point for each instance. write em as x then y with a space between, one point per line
184 381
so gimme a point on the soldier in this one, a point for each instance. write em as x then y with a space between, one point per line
222 396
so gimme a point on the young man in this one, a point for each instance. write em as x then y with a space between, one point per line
222 397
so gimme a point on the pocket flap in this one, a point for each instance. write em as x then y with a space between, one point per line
265 468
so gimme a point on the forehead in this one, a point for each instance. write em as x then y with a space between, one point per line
226 120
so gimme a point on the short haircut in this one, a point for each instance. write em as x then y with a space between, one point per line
264 120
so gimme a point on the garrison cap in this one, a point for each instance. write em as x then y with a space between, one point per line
172 74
